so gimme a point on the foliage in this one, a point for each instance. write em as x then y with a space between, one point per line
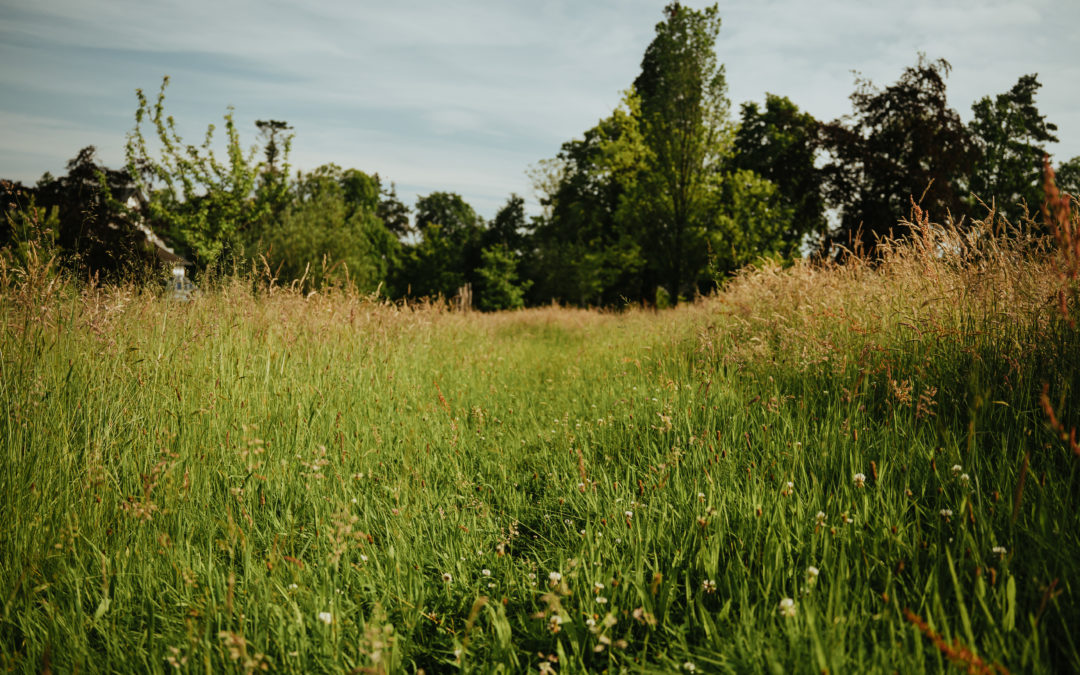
1010 137
448 253
204 205
330 232
1068 177
901 143
753 220
686 133
780 144
497 280
586 248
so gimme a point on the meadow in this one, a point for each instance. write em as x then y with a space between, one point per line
842 468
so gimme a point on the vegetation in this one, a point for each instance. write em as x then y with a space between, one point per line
831 467
660 201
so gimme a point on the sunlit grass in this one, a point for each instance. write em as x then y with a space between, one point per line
842 469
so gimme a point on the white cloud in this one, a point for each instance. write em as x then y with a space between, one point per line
465 96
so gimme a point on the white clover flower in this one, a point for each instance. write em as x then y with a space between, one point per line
860 480
1000 551
812 573
790 485
447 577
787 608
601 600
709 586
363 558
293 587
486 572
628 514
598 586
964 478
956 468
326 617
554 577
820 518
946 513
689 667
701 496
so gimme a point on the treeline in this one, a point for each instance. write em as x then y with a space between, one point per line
658 202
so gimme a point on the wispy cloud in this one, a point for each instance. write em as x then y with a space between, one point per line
465 96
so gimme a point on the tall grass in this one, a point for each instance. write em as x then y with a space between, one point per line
840 468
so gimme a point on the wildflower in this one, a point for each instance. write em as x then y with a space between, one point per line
598 586
293 587
956 468
964 478
326 617
709 586
554 623
946 513
546 668
554 577
447 577
701 496
363 558
820 518
999 551
860 480
787 608
601 600
629 514
353 500
812 575
485 572
689 667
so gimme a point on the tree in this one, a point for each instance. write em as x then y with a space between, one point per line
205 206
753 220
272 189
1068 177
498 286
780 144
901 143
393 212
585 248
330 232
449 250
1010 137
684 110
93 230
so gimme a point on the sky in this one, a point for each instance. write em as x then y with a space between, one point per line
466 96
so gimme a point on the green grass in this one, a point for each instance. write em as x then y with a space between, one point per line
194 485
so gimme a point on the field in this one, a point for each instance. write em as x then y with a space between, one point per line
855 468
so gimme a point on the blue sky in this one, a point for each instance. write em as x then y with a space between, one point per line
465 96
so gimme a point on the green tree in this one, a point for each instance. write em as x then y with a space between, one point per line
753 220
1010 138
330 232
585 248
204 205
1068 177
498 286
685 128
901 143
448 253
780 143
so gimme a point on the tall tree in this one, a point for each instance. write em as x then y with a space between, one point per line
780 144
901 143
684 112
1010 137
